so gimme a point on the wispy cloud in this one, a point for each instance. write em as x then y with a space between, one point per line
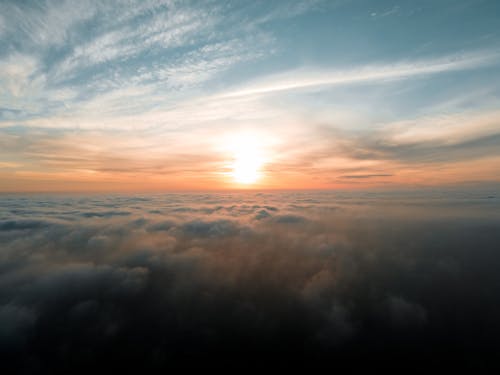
167 29
304 79
46 23
160 47
385 13
365 175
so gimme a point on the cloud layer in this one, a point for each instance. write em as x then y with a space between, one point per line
304 279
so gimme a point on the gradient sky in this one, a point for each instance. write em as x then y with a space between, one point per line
153 95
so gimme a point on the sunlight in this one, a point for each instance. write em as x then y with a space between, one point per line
248 159
246 168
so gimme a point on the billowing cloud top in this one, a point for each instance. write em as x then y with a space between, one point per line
155 282
150 95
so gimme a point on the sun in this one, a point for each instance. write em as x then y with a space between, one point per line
248 159
246 168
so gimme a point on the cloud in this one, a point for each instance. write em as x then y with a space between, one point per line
290 219
167 28
8 225
46 23
389 12
62 58
366 175
15 323
262 214
445 129
433 139
21 83
105 214
304 79
219 228
153 287
404 313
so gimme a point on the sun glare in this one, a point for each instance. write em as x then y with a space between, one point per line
247 160
246 169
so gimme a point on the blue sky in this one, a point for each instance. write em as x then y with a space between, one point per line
104 95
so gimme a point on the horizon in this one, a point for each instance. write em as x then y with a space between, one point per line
471 187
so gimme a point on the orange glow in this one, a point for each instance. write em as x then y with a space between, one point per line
248 160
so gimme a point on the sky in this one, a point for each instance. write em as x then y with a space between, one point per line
168 95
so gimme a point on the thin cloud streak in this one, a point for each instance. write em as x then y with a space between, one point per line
304 79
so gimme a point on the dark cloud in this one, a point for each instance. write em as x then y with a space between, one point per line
162 225
105 214
373 282
8 225
200 228
290 219
262 214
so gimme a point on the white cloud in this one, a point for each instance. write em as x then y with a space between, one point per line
446 129
21 84
313 78
165 29
47 23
